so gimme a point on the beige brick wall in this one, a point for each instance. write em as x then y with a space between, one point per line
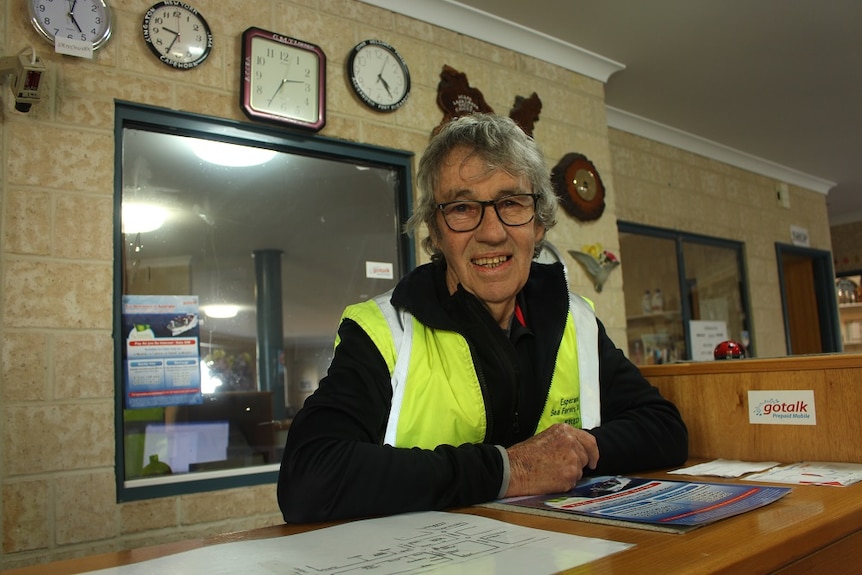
847 248
666 187
57 390
57 494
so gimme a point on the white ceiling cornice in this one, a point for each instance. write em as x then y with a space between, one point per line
495 30
651 130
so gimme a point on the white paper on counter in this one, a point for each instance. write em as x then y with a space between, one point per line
725 468
438 542
836 474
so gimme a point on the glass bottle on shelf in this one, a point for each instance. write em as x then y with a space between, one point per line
657 300
646 303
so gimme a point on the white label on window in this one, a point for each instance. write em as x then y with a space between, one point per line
378 270
794 407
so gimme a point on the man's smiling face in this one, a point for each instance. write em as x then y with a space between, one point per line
493 261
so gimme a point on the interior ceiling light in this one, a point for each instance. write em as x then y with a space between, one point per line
230 155
142 218
220 311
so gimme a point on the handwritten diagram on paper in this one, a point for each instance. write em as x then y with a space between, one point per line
437 542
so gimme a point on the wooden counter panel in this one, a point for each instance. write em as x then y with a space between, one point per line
809 528
714 405
839 557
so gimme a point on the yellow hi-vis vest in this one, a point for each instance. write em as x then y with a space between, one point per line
436 397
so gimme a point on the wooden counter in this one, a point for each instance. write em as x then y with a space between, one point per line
713 399
810 530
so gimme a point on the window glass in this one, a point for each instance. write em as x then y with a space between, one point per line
684 293
714 288
652 295
849 294
238 249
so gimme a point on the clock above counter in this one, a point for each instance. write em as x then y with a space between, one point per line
378 75
86 23
177 34
283 80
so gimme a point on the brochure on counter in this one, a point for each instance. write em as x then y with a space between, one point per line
660 505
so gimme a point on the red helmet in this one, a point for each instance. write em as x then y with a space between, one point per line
729 350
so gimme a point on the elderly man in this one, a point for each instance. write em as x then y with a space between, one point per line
479 375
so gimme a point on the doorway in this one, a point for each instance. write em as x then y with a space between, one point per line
808 300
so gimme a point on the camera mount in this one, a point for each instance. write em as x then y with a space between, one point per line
27 73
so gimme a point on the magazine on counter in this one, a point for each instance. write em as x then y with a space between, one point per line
661 505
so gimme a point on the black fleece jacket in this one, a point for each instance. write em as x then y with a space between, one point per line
335 465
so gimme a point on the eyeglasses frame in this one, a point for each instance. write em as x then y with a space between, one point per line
484 204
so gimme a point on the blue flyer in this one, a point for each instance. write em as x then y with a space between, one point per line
674 506
162 354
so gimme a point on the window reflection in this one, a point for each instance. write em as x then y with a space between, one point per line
272 249
684 294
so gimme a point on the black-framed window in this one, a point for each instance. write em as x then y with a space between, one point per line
682 291
230 276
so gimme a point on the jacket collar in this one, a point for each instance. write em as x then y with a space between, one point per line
423 290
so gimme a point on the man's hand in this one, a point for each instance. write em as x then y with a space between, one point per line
552 461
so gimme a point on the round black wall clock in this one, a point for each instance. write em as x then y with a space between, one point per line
177 34
578 185
378 75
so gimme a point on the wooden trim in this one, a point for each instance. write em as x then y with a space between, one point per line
801 362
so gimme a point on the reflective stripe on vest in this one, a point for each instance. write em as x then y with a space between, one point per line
444 359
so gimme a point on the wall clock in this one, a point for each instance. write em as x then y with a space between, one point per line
378 75
578 185
177 34
88 21
283 80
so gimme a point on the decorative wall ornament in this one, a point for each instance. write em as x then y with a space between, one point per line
526 111
597 262
578 185
456 97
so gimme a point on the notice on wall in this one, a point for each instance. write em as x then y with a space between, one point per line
705 335
161 357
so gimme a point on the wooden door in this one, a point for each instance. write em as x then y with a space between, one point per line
803 315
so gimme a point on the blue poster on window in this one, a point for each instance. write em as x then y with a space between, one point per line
161 357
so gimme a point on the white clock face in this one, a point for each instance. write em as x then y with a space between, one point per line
178 35
82 21
284 80
379 75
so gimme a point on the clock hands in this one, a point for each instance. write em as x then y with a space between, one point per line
72 4
385 84
176 34
280 86
176 37
277 90
380 77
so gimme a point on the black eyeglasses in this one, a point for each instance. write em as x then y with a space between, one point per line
466 215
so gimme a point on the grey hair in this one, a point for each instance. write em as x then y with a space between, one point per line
503 145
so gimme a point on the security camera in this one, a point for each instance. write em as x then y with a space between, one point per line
27 73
